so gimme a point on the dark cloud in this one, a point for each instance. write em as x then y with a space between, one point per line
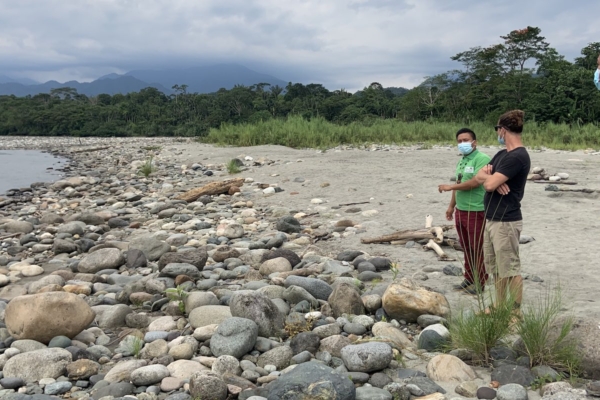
340 43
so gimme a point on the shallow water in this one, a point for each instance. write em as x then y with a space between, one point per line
21 168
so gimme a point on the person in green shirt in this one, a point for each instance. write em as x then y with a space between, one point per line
467 199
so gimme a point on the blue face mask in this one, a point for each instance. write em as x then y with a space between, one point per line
465 148
501 140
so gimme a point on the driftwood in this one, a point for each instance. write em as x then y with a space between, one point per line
555 183
9 236
210 189
353 204
88 150
442 256
435 233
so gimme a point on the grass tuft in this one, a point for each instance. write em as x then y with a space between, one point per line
233 166
147 167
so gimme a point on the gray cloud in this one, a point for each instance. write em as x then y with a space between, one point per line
340 43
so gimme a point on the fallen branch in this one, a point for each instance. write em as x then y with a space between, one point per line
354 204
210 189
9 236
442 256
555 183
90 150
435 233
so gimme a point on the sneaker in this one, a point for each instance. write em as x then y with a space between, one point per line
473 289
465 284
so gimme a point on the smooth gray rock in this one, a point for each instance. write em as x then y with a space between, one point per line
367 357
318 288
372 393
116 390
259 308
312 380
174 269
279 357
150 246
507 373
288 224
511 391
72 228
109 258
235 337
149 375
57 388
35 365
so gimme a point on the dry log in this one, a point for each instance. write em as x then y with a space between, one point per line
442 256
555 183
89 150
419 234
210 189
9 236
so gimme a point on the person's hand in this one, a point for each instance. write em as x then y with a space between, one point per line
503 189
487 169
444 188
449 213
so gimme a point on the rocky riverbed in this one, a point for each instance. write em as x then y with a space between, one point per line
112 288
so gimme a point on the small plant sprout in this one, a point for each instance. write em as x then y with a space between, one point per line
233 166
147 167
395 269
177 294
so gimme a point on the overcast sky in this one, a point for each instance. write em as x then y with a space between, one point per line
340 43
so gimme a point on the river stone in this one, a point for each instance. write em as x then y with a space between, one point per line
426 385
175 269
511 391
195 257
259 308
17 227
184 369
57 388
136 259
51 219
208 315
279 264
46 315
207 385
348 255
367 357
319 289
289 255
150 246
447 368
305 341
288 224
199 299
109 258
372 393
149 375
509 373
345 299
235 337
111 316
63 246
122 371
82 369
280 357
434 338
114 390
226 365
72 228
35 365
405 300
312 380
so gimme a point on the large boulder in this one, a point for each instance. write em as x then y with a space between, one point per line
109 258
150 246
447 368
234 337
407 301
345 299
46 315
38 364
259 308
367 357
585 333
312 380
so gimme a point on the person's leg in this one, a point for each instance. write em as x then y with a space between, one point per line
462 228
476 229
510 282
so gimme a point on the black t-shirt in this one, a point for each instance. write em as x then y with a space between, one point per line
515 165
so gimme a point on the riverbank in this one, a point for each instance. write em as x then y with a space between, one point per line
105 204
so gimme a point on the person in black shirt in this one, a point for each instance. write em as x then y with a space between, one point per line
504 181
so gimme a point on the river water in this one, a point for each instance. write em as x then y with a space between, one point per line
21 168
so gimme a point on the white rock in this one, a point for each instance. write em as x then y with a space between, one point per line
554 178
563 175
269 190
32 270
369 213
316 201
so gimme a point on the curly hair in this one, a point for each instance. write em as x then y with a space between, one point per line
512 120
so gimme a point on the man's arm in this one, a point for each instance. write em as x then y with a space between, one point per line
468 185
490 182
597 78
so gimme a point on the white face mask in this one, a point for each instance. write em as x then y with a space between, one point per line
465 148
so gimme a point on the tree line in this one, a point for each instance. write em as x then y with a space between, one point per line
522 71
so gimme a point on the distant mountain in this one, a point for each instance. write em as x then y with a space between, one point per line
24 81
119 84
207 79
198 79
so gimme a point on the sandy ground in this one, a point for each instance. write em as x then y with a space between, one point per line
401 184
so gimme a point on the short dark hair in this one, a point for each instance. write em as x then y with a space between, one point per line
512 121
466 130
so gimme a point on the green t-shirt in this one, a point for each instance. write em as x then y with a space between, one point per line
467 168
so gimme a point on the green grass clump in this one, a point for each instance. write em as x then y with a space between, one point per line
544 334
147 167
233 166
298 132
479 331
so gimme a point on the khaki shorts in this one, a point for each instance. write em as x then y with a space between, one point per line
501 248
